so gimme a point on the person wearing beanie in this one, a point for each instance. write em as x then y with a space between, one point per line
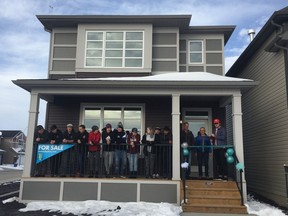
108 140
133 141
94 149
120 153
41 136
55 137
81 149
68 157
219 139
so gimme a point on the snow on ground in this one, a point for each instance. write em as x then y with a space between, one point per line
262 209
91 207
10 166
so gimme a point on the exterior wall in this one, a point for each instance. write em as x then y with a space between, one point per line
63 52
165 50
67 110
213 54
265 123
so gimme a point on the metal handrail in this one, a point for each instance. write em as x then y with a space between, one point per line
237 161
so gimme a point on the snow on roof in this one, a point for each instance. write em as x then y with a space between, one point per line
175 76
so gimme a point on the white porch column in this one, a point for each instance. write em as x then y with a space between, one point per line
238 135
176 136
33 119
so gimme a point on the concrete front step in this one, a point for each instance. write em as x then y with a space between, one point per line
225 209
227 192
209 184
213 214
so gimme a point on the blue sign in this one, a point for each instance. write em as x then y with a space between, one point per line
46 151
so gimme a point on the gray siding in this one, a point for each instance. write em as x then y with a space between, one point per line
265 122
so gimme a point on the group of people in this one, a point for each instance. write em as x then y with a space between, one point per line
114 146
201 147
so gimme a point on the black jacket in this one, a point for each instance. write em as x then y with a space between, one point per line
149 146
44 137
70 136
58 137
111 146
83 137
187 137
120 140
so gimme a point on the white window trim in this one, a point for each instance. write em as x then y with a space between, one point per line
124 49
101 106
202 52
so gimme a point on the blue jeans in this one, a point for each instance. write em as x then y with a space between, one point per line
133 159
120 155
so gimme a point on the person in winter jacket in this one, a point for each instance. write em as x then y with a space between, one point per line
68 157
94 149
120 153
166 139
150 140
203 151
81 148
108 140
55 137
41 136
133 141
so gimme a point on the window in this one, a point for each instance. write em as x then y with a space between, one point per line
196 52
130 116
111 49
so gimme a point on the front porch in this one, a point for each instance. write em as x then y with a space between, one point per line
165 102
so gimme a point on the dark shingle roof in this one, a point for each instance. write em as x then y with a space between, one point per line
10 133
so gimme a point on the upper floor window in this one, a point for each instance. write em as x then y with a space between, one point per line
114 49
196 52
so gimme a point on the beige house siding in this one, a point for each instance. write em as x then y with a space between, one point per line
265 122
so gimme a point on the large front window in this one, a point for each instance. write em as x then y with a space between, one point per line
110 49
130 116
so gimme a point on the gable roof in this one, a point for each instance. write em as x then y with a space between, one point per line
10 133
278 17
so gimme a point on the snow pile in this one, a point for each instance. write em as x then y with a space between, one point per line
11 166
262 209
92 207
12 199
1 169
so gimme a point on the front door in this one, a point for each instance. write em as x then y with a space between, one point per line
198 118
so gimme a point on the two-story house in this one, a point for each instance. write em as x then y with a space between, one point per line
139 70
265 108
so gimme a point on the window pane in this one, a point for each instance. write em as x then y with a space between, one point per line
133 63
94 62
114 36
92 114
90 122
114 53
131 123
94 53
195 57
94 44
195 46
113 62
132 114
95 36
134 45
114 44
133 53
112 114
134 36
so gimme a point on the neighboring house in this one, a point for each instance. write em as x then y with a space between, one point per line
10 141
142 71
265 119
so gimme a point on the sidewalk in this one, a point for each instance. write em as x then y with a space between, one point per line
213 214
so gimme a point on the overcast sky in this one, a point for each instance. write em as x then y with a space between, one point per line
24 43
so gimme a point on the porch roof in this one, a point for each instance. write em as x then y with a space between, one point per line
166 80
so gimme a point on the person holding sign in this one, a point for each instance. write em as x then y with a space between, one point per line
55 137
41 136
94 149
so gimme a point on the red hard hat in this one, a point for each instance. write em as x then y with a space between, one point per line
216 121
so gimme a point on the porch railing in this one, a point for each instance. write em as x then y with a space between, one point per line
114 160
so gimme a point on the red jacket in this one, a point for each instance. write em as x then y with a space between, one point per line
95 140
136 140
